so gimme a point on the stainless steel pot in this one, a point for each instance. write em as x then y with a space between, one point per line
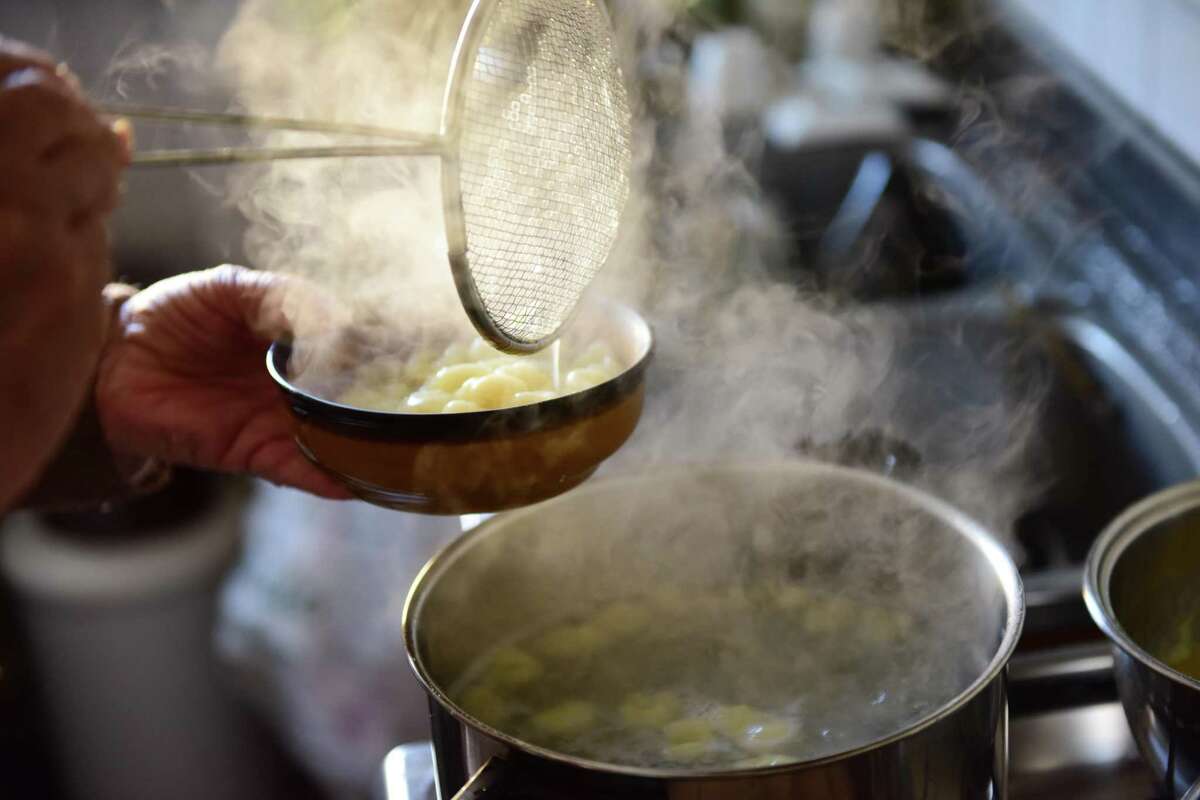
1140 584
694 527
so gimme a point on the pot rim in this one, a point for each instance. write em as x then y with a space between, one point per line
1106 553
1002 564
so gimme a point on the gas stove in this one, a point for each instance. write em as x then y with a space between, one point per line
1078 752
1084 752
1089 285
1068 737
1059 755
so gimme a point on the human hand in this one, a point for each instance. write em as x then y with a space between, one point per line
185 379
61 167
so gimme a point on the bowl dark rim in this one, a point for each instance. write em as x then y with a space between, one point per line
467 426
1106 553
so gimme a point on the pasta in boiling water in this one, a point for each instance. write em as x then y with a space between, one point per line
741 677
474 377
565 719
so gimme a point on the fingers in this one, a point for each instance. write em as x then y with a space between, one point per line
59 158
37 67
16 55
50 278
39 113
90 242
284 465
33 81
257 298
60 166
85 178
81 181
324 343
123 130
255 308
269 305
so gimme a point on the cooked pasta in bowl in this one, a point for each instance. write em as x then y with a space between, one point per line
462 428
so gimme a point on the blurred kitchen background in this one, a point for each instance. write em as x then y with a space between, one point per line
1017 171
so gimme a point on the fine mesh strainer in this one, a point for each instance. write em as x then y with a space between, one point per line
536 156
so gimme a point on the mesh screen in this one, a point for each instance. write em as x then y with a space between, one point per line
545 160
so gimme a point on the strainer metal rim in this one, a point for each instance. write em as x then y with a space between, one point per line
462 66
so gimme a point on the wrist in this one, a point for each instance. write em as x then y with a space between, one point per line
140 474
91 470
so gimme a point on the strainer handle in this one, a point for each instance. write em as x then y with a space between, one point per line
191 116
242 155
406 143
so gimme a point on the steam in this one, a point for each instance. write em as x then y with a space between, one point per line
138 67
748 366
370 230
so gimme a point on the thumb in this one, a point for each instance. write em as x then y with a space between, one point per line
270 305
279 307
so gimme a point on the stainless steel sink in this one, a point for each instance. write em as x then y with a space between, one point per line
1012 322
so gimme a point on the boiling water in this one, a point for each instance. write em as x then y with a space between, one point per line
730 678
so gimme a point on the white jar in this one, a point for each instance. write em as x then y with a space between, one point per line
121 635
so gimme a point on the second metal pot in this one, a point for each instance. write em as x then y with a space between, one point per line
519 567
1141 588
